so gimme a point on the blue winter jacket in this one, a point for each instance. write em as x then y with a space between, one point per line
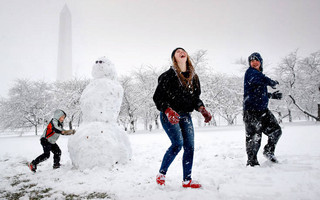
255 96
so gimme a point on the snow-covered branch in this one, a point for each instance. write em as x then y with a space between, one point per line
302 110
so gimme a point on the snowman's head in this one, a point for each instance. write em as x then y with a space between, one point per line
104 68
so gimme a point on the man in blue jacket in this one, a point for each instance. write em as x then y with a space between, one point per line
257 117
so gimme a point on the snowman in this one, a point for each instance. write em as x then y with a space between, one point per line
99 141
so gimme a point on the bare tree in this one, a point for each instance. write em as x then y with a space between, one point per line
67 97
147 79
199 61
287 76
299 81
130 104
304 111
28 105
307 96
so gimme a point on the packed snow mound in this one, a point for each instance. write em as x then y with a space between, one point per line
104 68
101 100
99 144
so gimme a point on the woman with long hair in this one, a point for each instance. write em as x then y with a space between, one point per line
176 96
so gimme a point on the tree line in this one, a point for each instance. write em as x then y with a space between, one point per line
30 103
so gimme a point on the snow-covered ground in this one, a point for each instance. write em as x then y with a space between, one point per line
219 164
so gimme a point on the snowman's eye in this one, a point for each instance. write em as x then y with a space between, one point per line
99 61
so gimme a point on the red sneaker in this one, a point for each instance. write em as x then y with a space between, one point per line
161 179
191 184
32 167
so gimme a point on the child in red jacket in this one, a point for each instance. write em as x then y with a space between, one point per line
48 140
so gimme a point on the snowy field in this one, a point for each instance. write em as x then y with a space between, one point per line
219 164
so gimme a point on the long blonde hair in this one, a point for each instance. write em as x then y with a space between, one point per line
186 82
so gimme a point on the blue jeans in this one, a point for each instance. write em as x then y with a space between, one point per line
181 135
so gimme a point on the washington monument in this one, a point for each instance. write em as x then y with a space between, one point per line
64 68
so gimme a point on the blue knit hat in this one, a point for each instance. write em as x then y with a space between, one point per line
256 56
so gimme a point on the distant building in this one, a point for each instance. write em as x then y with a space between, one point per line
64 68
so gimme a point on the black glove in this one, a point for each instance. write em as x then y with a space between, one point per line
275 95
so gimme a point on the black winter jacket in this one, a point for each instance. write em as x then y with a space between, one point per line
171 93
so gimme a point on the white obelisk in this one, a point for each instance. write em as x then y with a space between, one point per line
64 68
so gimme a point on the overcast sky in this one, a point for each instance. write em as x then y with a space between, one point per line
132 33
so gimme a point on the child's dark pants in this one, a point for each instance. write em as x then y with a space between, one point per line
47 147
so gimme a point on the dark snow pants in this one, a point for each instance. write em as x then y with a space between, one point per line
47 147
256 123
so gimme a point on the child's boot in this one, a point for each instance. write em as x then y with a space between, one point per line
32 167
56 166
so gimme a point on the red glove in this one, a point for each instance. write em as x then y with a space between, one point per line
172 115
207 116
